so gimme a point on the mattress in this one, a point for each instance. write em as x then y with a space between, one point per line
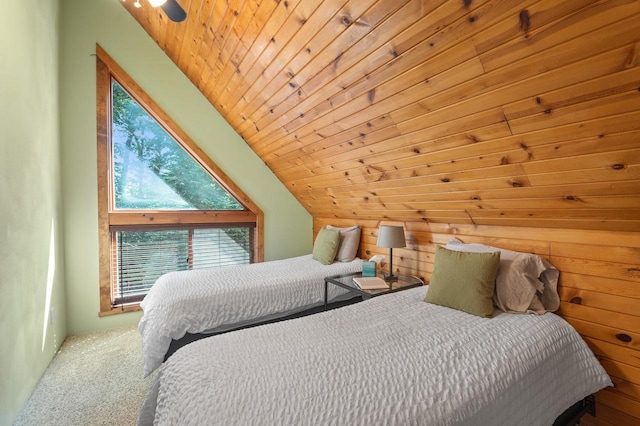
210 300
393 360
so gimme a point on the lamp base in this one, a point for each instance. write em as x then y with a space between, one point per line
391 278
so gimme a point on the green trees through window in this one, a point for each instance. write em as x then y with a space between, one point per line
152 171
162 204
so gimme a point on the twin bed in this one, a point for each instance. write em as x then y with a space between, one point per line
392 360
185 305
406 358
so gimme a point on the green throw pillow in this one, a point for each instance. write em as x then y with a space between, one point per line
326 246
464 281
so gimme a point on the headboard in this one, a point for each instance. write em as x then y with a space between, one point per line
599 289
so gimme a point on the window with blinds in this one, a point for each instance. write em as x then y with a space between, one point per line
162 205
141 257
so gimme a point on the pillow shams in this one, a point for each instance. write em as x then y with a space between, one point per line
464 281
525 282
349 242
326 246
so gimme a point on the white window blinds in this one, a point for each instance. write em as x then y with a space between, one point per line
141 257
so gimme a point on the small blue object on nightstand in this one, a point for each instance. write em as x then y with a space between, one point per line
368 269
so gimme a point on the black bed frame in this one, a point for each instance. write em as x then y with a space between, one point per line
573 414
192 337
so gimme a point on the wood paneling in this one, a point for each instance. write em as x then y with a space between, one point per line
517 121
599 288
487 112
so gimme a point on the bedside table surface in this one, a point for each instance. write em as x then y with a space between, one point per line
346 281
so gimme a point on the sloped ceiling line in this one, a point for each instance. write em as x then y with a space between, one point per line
447 111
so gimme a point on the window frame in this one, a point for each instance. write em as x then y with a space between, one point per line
111 219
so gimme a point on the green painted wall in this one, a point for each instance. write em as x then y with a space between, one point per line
31 261
288 227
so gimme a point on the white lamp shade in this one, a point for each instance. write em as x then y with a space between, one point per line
391 237
156 3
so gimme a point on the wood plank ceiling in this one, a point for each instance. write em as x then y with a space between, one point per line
491 112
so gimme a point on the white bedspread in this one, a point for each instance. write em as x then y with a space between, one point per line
209 300
392 360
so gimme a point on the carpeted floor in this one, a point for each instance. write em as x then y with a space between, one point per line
95 379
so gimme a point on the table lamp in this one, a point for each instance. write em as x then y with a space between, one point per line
391 237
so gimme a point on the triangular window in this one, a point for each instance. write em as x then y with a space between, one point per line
162 204
151 170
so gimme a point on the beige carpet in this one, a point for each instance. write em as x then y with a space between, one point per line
95 379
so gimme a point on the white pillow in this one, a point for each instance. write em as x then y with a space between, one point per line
349 242
525 282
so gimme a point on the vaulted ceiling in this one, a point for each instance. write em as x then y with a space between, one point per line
522 113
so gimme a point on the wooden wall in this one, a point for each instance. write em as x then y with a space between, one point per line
523 113
599 288
517 120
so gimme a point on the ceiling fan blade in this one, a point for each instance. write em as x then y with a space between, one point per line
174 11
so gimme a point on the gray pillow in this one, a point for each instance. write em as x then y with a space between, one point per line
464 281
525 283
326 246
349 242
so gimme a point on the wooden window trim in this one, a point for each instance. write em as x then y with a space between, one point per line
181 217
109 218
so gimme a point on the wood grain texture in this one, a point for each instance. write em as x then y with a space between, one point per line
519 122
486 112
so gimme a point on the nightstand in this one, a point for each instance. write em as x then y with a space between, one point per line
346 281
